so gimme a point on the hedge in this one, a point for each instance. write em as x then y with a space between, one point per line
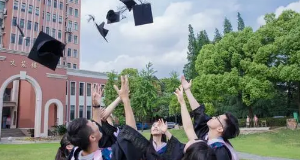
271 122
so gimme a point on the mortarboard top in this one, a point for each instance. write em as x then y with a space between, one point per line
112 16
102 30
46 51
142 14
129 4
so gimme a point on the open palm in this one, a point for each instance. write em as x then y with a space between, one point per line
162 125
97 95
185 84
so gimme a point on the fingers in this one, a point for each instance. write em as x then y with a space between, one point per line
191 81
116 88
122 81
126 81
181 88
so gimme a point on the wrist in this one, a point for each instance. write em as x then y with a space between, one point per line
187 89
96 106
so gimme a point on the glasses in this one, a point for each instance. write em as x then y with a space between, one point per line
220 121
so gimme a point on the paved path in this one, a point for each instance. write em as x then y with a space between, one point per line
256 157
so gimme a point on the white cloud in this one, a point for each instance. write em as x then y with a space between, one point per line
295 6
164 42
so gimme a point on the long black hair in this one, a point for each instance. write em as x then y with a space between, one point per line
63 152
199 151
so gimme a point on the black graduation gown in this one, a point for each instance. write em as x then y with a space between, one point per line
108 137
129 145
201 129
174 151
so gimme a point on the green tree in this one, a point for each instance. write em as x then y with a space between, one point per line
241 24
227 68
227 26
189 68
218 36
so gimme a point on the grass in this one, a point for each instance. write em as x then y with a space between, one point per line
281 143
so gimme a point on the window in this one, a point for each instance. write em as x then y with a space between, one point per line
69 52
70 24
76 1
60 19
27 41
54 18
70 37
88 89
76 12
42 28
43 16
30 9
81 89
16 5
23 7
48 16
1 21
29 25
22 23
69 65
47 30
70 11
36 26
74 66
33 41
88 112
53 32
75 40
14 21
75 53
59 34
20 39
80 111
70 0
61 5
72 88
55 4
72 112
12 38
102 88
37 11
49 2
76 26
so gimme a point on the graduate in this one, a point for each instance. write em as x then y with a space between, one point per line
163 145
85 134
65 149
216 131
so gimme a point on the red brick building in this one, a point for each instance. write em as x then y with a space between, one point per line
33 96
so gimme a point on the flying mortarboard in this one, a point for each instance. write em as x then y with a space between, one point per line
46 51
142 14
129 4
102 30
112 16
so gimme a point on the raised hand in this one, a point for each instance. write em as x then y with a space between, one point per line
124 91
185 84
162 126
96 95
179 94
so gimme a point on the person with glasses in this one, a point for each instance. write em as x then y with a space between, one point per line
216 131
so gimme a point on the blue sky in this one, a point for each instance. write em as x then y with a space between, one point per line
164 43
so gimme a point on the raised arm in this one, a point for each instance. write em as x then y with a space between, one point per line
187 88
124 95
110 108
186 118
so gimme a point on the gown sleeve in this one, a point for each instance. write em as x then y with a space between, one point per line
130 145
200 120
174 149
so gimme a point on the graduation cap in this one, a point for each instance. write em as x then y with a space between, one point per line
46 51
112 16
129 4
142 14
20 30
102 30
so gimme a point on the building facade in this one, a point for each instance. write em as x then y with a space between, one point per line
31 95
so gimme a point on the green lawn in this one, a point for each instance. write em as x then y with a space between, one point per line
282 143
